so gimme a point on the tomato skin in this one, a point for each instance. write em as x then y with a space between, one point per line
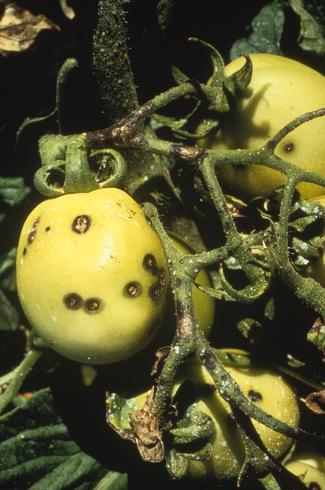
264 388
280 90
92 275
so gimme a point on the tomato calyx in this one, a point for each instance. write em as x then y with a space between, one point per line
68 166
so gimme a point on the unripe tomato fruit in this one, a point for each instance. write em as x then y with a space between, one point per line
92 275
280 90
265 389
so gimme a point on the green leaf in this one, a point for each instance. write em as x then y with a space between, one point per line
267 28
113 481
9 319
13 190
119 410
7 270
37 452
311 36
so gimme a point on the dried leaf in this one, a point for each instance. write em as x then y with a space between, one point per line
147 434
19 29
137 425
316 402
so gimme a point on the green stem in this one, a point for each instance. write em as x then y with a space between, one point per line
15 378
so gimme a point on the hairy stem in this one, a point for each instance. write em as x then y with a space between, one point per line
111 64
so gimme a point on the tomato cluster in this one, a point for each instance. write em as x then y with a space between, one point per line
93 278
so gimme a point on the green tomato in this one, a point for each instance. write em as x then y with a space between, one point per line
267 390
92 275
280 90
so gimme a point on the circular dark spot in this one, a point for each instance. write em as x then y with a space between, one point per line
133 289
255 396
47 228
73 301
35 224
31 237
288 147
162 277
314 486
149 262
156 291
81 224
24 251
92 305
178 282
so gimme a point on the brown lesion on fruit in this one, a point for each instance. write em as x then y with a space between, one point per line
92 305
157 289
32 234
47 229
149 263
81 224
73 301
133 289
288 147
254 396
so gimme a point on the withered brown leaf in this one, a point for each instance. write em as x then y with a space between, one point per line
19 29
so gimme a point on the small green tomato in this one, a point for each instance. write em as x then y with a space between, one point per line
267 390
280 90
92 275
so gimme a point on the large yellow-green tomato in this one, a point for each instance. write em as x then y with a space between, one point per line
280 90
204 305
310 468
92 275
267 390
